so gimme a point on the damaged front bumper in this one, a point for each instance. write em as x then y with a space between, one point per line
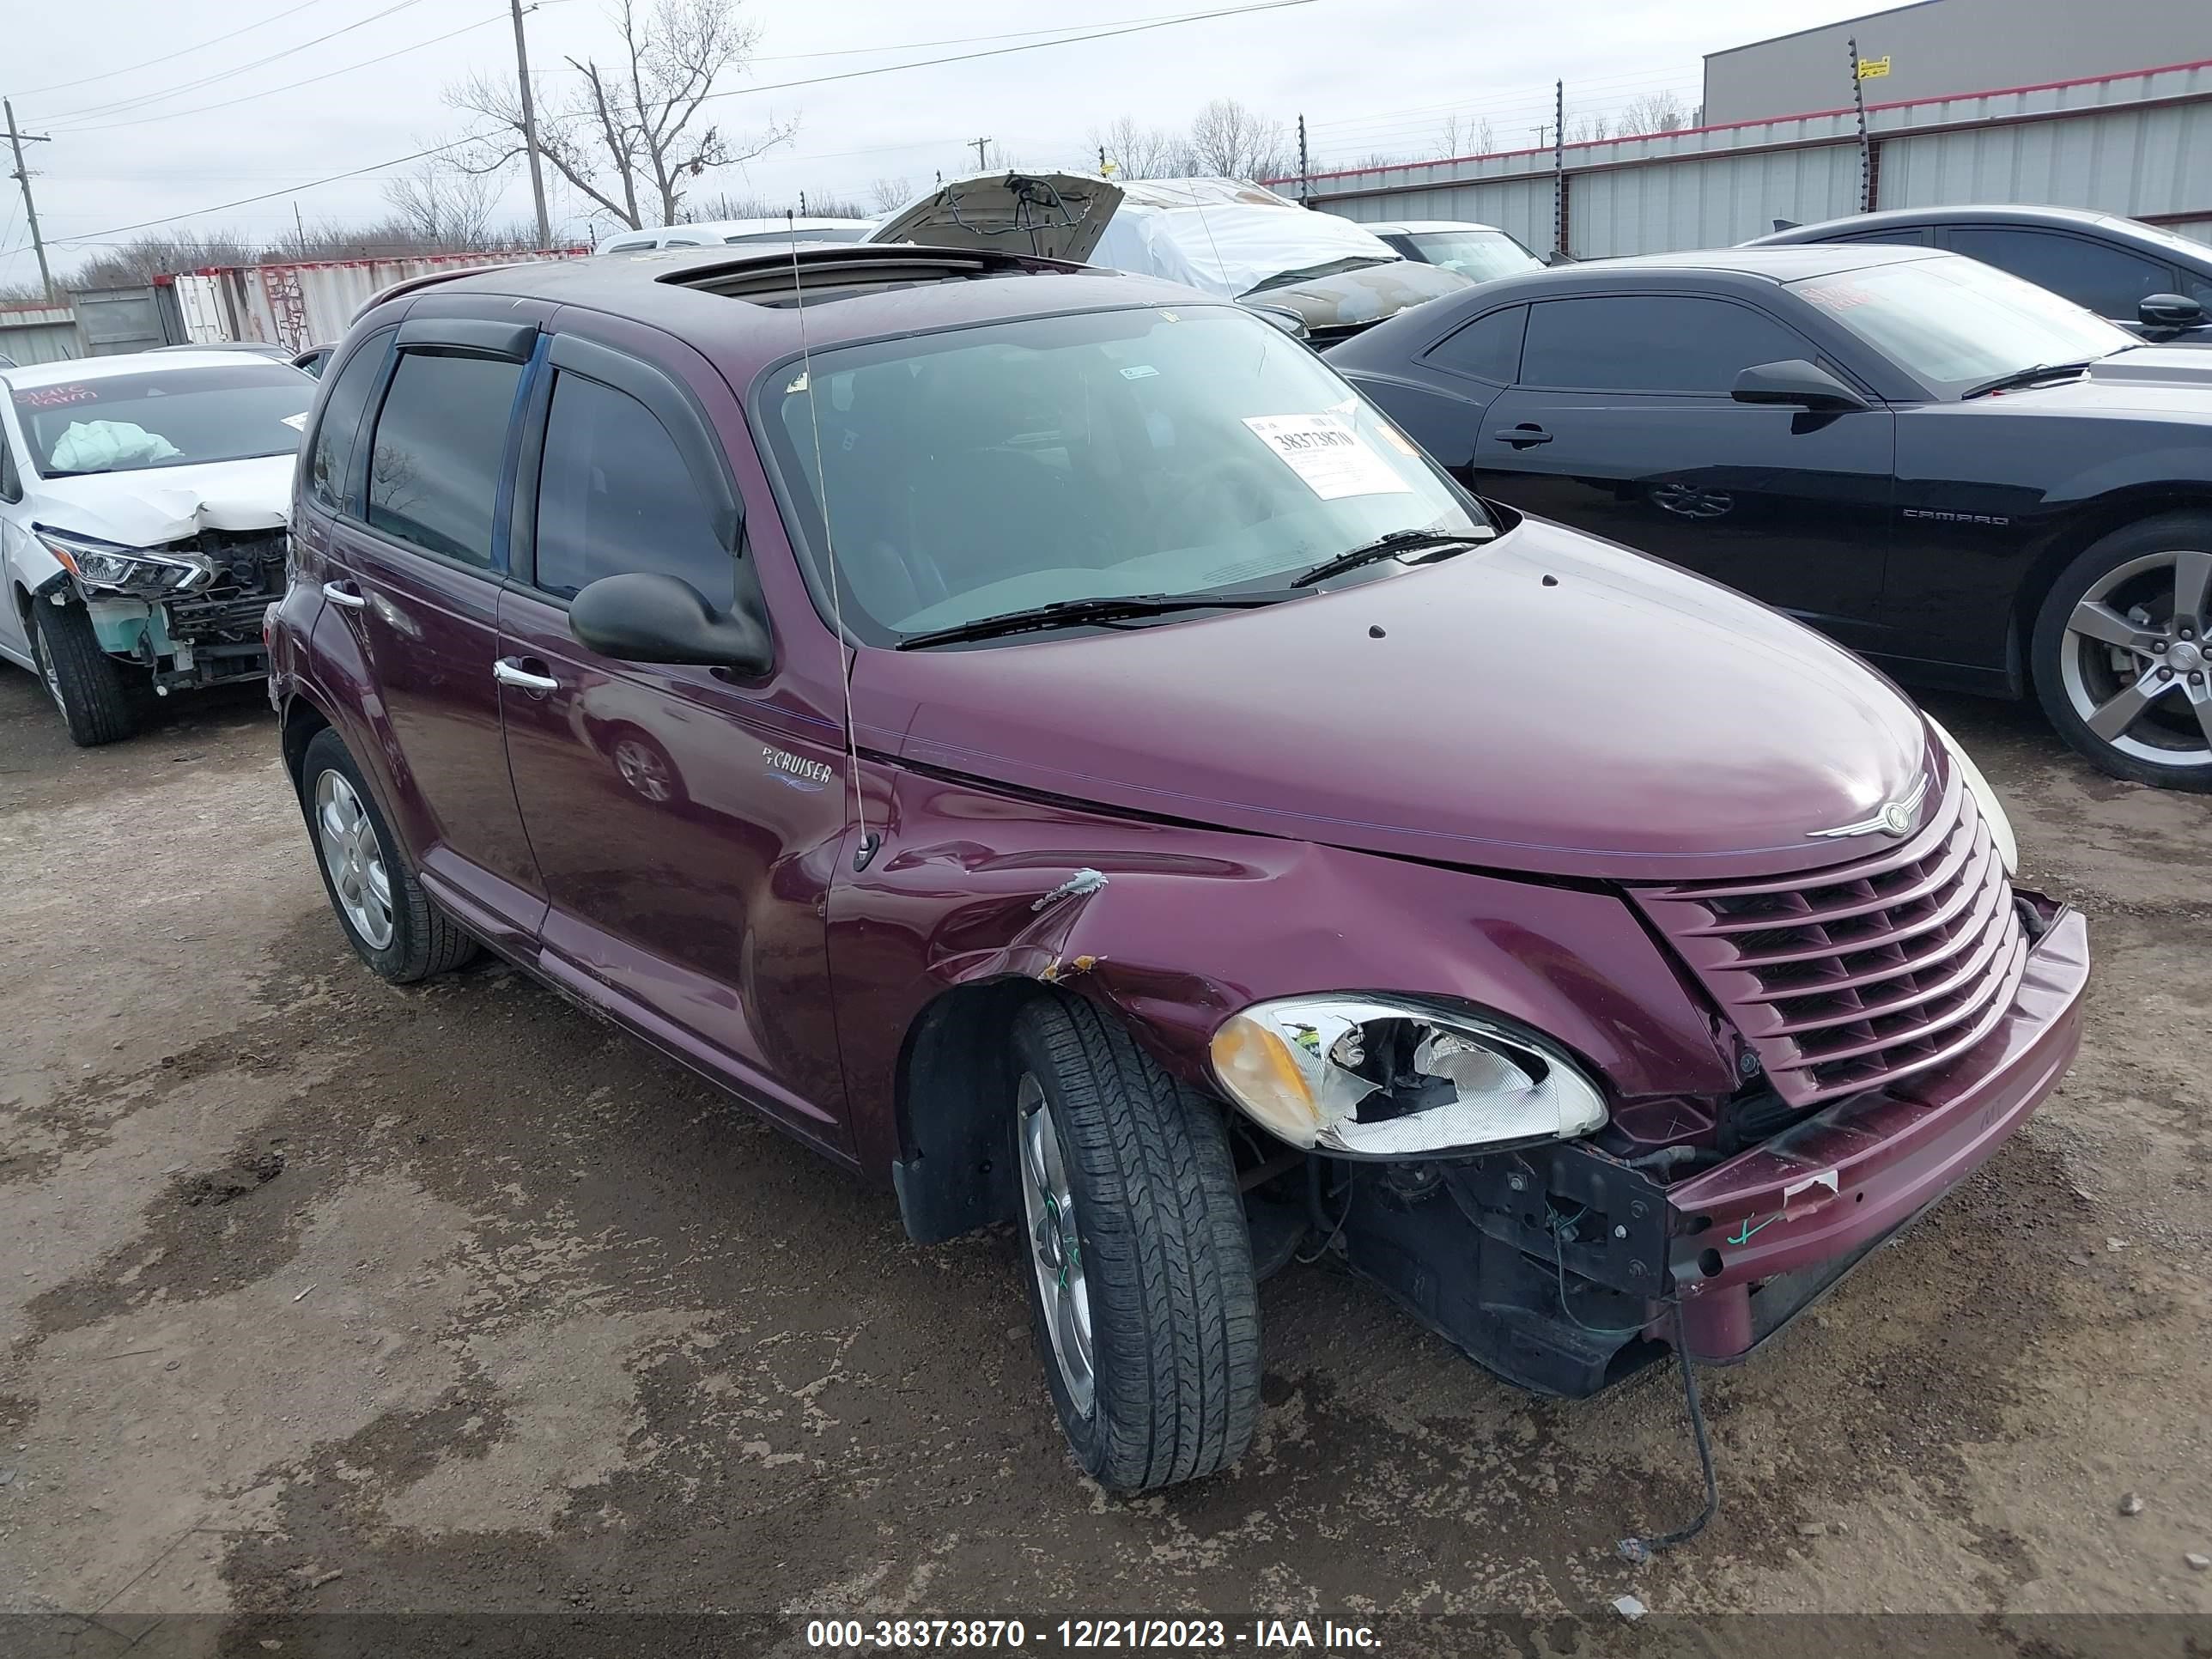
1557 1267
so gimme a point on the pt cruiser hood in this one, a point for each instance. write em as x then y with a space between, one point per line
155 505
1548 703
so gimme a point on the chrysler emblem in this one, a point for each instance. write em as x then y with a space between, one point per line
1896 818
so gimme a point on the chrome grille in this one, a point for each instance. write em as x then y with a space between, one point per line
1848 978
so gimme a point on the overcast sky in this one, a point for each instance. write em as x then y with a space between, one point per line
1368 75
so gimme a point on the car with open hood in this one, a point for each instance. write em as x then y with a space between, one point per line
1321 277
1044 740
143 504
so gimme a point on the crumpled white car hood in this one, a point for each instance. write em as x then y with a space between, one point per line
157 504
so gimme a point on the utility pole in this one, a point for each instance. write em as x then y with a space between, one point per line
982 161
300 229
1305 174
23 176
530 127
1559 168
1866 144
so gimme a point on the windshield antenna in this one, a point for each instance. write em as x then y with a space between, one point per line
867 848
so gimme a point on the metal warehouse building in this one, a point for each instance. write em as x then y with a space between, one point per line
1940 47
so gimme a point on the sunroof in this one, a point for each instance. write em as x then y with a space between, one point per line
834 272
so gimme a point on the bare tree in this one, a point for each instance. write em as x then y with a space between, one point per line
1137 151
1588 128
889 193
1229 141
1654 112
445 207
629 137
1470 137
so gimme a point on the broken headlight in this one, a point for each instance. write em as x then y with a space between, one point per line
146 573
1375 1078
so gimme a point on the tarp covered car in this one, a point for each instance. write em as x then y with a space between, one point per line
1224 236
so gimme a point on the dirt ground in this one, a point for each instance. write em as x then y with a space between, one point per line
320 1295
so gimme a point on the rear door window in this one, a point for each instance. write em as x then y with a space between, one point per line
441 443
2111 281
614 496
1489 348
330 464
1663 343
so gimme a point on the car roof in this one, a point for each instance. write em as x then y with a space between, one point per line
1785 262
2015 213
736 307
1415 226
73 369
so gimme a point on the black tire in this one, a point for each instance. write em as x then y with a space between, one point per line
2056 663
424 940
86 684
1167 1260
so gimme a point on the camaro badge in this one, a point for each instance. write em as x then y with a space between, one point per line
1897 818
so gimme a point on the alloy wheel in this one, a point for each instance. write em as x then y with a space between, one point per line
2135 664
1056 1253
355 858
47 671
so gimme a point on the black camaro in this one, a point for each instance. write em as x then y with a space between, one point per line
1964 477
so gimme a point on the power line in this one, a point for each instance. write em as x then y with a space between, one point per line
1001 51
229 74
168 56
292 86
886 69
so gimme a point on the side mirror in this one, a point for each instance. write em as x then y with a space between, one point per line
1796 384
642 616
1286 320
2170 311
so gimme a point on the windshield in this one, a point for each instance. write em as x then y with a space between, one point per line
1480 254
1956 323
168 417
1140 451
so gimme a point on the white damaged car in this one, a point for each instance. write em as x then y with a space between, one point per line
143 504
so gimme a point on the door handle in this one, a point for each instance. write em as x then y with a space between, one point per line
509 671
1523 435
346 594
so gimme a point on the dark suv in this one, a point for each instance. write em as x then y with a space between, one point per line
1044 740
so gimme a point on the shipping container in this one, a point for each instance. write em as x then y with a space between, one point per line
310 303
38 334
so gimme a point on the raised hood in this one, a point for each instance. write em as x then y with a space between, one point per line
155 505
1548 703
1053 215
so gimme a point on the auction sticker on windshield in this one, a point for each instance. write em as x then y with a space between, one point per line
1331 459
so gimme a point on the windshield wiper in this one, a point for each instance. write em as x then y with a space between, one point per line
1389 547
1072 613
2029 376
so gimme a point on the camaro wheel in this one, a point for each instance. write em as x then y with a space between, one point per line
85 683
1141 1292
2120 657
391 923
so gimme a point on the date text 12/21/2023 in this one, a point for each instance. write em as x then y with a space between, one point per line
1081 1635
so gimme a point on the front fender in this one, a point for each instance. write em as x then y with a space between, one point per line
1187 925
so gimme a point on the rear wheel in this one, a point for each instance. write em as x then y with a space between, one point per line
1143 1302
85 683
391 922
2120 658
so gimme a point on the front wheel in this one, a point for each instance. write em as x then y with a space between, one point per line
85 683
1143 1302
2120 658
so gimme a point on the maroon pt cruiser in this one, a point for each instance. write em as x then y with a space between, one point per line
1042 739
